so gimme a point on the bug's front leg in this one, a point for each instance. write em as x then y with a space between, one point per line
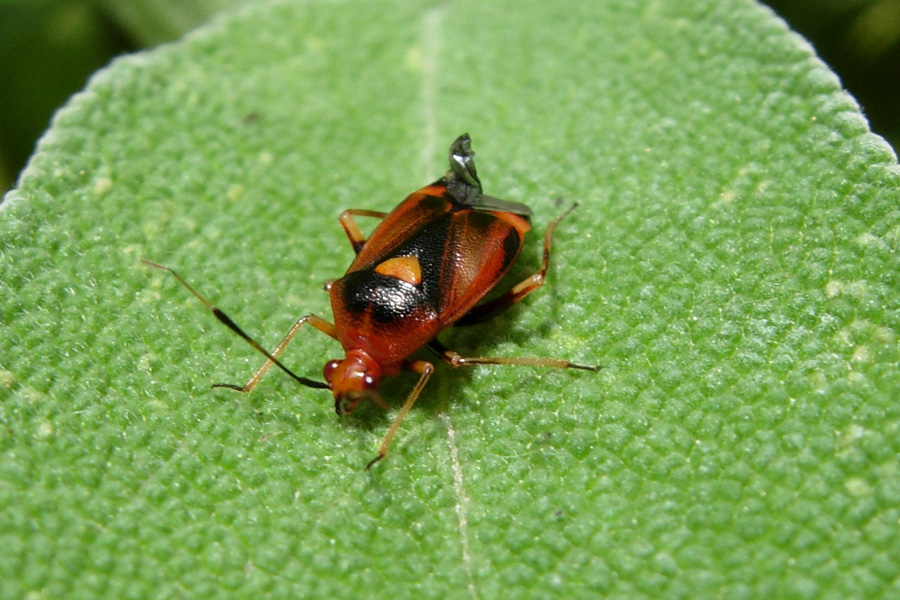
357 239
271 359
423 368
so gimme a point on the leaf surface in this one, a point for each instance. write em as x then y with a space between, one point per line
732 265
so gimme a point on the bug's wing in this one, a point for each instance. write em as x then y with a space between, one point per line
490 203
479 248
418 210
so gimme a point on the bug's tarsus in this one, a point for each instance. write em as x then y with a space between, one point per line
568 211
585 367
228 386
377 458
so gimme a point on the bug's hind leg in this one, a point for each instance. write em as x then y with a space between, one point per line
457 360
490 309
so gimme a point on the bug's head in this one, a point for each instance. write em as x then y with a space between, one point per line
352 380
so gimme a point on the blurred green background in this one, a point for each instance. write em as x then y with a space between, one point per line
49 48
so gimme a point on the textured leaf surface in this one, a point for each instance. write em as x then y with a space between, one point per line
733 266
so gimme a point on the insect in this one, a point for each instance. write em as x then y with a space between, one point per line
426 267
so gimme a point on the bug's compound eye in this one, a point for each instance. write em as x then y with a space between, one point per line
328 370
370 383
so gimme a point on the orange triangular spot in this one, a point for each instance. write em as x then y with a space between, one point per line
404 268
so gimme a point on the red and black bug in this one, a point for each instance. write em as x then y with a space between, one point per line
425 268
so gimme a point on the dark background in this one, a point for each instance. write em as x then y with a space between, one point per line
49 48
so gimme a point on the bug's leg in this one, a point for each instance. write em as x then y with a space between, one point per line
357 239
314 320
423 368
456 360
488 310
317 322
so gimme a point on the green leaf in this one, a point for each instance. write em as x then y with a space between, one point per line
732 265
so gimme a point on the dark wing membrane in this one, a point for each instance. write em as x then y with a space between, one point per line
418 210
496 204
479 249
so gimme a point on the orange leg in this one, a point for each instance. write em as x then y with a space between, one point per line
423 368
272 359
456 360
357 239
